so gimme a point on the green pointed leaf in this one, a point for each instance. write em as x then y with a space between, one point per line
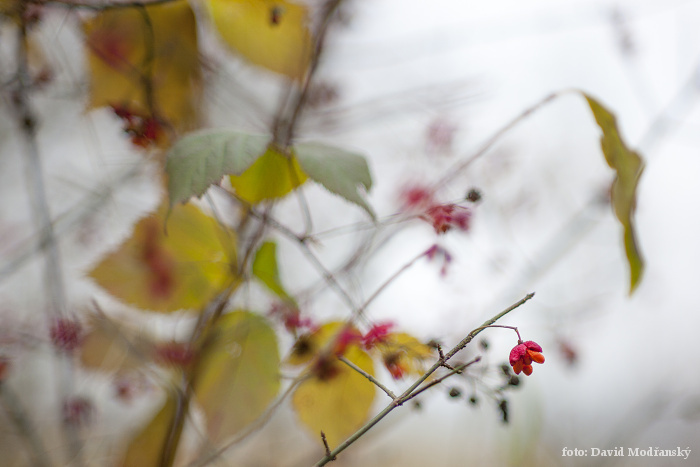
205 157
628 166
238 374
265 269
341 172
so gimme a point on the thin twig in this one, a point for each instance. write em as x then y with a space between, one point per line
454 371
325 444
391 279
406 394
35 176
285 140
368 376
463 165
53 275
63 223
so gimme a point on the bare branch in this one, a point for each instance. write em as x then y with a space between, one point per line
454 371
368 376
407 393
325 445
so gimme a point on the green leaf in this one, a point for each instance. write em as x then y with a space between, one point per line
339 171
238 374
205 157
265 269
628 166
272 175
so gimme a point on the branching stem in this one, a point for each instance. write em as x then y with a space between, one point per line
408 392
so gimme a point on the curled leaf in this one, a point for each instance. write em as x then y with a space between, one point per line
628 166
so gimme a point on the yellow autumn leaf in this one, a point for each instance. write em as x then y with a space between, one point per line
404 355
309 346
336 399
273 34
272 175
183 269
145 448
112 346
238 374
145 60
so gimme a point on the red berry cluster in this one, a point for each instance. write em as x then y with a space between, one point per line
145 131
442 216
522 356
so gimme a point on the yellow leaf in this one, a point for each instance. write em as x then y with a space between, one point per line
273 34
628 166
238 374
145 449
184 269
146 61
336 400
271 176
309 346
113 347
403 354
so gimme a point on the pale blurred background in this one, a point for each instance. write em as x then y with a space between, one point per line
464 69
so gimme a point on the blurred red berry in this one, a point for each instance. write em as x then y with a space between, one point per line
291 317
395 364
417 198
377 333
444 217
440 135
174 354
568 352
522 356
66 334
4 367
347 337
77 411
435 251
145 130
